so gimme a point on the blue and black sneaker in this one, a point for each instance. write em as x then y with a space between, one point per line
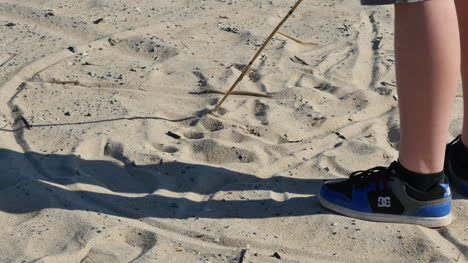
456 165
382 194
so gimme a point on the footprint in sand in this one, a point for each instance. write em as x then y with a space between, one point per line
261 110
213 152
120 246
194 135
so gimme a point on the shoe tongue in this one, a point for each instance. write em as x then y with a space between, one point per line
394 168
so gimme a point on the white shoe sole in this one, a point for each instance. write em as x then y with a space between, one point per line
431 222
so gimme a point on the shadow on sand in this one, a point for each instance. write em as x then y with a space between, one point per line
32 182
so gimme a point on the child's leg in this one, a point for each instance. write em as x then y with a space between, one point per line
427 51
462 10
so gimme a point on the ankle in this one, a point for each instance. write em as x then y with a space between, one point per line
420 181
420 166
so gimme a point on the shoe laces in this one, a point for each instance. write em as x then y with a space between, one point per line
376 174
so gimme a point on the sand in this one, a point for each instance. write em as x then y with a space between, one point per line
107 154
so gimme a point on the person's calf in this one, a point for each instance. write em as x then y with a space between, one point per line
427 53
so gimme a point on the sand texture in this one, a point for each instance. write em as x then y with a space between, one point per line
90 173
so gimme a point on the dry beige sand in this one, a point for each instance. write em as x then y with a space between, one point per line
89 174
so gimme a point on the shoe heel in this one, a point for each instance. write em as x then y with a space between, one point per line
439 210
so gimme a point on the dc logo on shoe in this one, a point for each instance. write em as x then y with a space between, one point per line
384 202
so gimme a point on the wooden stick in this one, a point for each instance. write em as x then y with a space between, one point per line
245 93
297 40
8 60
74 82
247 68
60 82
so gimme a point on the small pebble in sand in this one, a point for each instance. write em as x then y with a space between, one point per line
230 30
276 255
112 41
73 49
49 12
99 21
173 135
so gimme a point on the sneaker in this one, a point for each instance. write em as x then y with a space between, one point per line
454 167
380 194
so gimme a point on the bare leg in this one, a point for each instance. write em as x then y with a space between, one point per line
462 11
427 51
